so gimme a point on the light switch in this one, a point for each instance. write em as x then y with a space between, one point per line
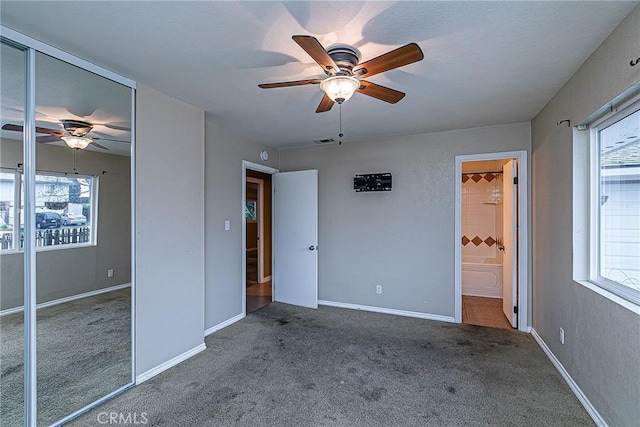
227 225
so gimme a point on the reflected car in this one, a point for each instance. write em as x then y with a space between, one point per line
73 219
48 220
4 226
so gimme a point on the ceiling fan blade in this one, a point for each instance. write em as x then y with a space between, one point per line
98 145
380 92
95 138
293 83
18 128
312 46
48 138
114 127
399 57
9 126
325 104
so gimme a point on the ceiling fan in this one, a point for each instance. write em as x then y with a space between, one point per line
74 134
341 64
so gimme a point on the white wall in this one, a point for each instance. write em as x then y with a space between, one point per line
602 338
224 154
169 228
402 239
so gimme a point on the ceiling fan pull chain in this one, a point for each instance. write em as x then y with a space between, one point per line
75 160
340 134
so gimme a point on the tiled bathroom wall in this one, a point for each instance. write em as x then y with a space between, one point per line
481 215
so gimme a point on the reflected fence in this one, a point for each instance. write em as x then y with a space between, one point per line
50 237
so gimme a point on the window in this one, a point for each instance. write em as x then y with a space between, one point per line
65 210
8 205
615 204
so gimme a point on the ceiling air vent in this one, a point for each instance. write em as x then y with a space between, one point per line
324 141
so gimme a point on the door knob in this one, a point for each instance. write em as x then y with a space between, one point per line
312 248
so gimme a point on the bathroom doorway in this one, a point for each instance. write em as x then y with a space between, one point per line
491 240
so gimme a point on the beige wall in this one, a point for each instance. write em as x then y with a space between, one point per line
602 339
70 271
402 239
169 228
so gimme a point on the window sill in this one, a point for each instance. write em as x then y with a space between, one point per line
49 248
61 247
629 305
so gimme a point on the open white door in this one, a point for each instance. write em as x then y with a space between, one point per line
510 233
295 234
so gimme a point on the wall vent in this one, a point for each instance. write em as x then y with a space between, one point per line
324 141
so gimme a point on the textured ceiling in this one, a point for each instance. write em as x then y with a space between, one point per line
485 62
66 92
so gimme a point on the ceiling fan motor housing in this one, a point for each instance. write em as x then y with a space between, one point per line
345 56
77 127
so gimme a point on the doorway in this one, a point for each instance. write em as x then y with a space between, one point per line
491 238
293 245
258 238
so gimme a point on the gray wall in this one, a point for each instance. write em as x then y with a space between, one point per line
224 154
70 271
169 228
602 340
402 239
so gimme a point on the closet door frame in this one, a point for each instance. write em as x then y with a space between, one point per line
30 46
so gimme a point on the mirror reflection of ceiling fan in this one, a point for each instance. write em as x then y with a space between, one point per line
341 64
74 134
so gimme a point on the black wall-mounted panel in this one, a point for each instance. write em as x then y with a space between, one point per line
372 182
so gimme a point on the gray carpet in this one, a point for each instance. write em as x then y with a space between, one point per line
290 366
84 353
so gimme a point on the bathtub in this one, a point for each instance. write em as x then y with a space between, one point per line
482 277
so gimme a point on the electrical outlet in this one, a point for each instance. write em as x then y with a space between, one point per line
378 289
561 336
110 272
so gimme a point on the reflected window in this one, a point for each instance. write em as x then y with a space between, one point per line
8 217
65 209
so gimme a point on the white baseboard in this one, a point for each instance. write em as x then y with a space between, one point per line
66 299
224 324
405 313
169 363
593 412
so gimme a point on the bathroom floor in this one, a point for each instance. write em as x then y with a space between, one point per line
484 312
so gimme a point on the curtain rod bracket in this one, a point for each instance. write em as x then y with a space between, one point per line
634 63
568 122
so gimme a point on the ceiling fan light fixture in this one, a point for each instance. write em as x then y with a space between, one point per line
79 142
340 88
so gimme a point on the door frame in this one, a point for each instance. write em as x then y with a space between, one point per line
523 231
264 169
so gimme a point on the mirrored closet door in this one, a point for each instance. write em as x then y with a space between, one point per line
80 211
12 332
